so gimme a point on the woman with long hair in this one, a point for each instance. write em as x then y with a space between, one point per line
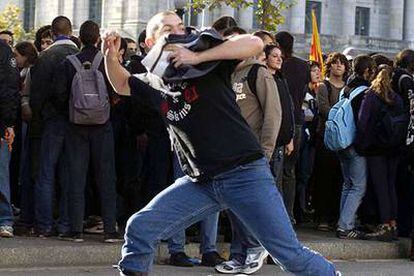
284 141
382 129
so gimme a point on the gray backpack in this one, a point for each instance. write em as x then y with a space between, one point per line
89 100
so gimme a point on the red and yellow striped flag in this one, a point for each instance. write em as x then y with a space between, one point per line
316 50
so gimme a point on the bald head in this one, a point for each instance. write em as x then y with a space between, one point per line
167 22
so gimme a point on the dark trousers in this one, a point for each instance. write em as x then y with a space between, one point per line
288 186
156 173
383 171
304 169
327 184
95 144
128 164
26 181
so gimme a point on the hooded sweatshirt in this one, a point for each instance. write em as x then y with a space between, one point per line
262 111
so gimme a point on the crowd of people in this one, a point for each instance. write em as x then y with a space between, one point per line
83 149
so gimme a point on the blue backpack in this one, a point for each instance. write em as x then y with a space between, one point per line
340 128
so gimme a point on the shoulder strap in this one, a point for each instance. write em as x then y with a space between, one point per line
75 62
97 61
328 86
357 91
252 77
402 77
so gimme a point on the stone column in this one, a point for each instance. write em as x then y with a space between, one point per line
409 20
297 17
226 10
246 18
80 13
348 17
397 18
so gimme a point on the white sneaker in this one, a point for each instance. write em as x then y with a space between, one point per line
6 231
230 267
254 261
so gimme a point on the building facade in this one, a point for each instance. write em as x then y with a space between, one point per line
359 25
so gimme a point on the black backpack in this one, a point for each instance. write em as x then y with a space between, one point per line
287 128
390 130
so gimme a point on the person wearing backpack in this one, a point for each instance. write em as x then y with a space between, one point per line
382 130
327 170
403 84
284 142
353 165
83 95
48 124
258 98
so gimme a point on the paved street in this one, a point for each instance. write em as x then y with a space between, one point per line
363 268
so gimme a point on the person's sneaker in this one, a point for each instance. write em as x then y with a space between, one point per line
324 227
94 225
350 234
44 234
6 231
71 236
16 211
113 237
383 233
254 262
180 259
211 259
230 267
338 273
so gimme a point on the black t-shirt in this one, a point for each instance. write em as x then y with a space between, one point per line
208 131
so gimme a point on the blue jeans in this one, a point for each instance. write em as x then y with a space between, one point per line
354 171
91 145
248 191
52 159
6 213
209 226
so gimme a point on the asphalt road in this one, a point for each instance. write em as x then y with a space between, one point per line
358 267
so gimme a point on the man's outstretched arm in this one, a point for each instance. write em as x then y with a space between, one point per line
238 47
118 76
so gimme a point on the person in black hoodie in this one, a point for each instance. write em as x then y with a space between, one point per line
9 96
353 165
296 72
403 84
382 155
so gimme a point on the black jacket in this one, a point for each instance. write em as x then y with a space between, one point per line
9 88
354 82
296 71
44 79
403 86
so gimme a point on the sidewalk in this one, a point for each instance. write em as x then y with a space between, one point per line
30 252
